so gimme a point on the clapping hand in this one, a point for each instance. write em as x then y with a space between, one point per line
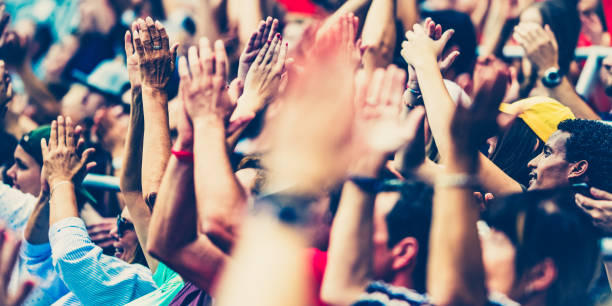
155 57
204 90
420 44
540 45
266 32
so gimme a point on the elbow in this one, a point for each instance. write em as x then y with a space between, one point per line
334 293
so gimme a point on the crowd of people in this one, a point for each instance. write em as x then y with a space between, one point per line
304 152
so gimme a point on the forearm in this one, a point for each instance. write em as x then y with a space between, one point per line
39 93
245 15
62 203
455 272
349 265
173 222
206 23
379 34
221 201
566 94
279 257
130 179
37 228
156 140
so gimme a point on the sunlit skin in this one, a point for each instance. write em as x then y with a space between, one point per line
25 172
550 169
127 244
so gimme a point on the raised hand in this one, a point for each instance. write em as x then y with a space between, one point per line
540 45
133 65
155 57
62 162
381 128
264 77
420 42
472 124
265 34
6 89
340 41
434 31
204 90
9 250
599 207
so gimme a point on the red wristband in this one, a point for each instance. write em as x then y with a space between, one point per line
183 156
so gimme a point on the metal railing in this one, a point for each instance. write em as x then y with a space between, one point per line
593 56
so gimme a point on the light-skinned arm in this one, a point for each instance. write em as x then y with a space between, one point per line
421 52
379 34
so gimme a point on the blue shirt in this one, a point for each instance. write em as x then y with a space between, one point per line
92 277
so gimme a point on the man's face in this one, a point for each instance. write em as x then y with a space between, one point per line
550 169
25 172
126 241
382 257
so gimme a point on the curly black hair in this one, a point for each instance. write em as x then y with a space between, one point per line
591 141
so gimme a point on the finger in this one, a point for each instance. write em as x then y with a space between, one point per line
266 33
221 59
273 28
430 29
375 87
387 85
87 155
9 91
145 36
80 144
90 166
23 292
155 39
163 36
137 41
173 53
252 40
600 194
351 29
399 79
183 70
206 57
413 125
61 132
194 62
129 47
2 68
551 36
262 53
586 202
272 49
438 32
282 57
361 89
446 36
44 148
4 22
9 256
448 60
410 35
69 133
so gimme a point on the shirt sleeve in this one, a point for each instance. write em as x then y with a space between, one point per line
37 259
15 207
92 276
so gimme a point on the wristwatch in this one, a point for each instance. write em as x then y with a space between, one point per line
552 77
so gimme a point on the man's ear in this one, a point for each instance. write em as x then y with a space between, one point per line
578 169
405 254
541 276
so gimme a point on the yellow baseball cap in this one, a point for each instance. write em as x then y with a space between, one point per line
541 114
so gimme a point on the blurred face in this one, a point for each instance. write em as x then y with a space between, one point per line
25 172
498 257
550 169
126 241
383 257
606 74
111 125
79 103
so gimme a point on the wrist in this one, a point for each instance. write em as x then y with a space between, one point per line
427 61
154 92
542 72
249 103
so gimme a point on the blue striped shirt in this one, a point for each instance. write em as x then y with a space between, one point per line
92 277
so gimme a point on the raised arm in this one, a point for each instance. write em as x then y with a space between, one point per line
421 52
455 271
156 60
379 34
542 51
349 265
130 177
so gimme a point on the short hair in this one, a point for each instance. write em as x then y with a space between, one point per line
411 217
591 141
548 224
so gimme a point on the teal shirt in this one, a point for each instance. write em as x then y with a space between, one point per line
169 283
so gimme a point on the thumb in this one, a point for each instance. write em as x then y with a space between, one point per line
446 36
448 60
